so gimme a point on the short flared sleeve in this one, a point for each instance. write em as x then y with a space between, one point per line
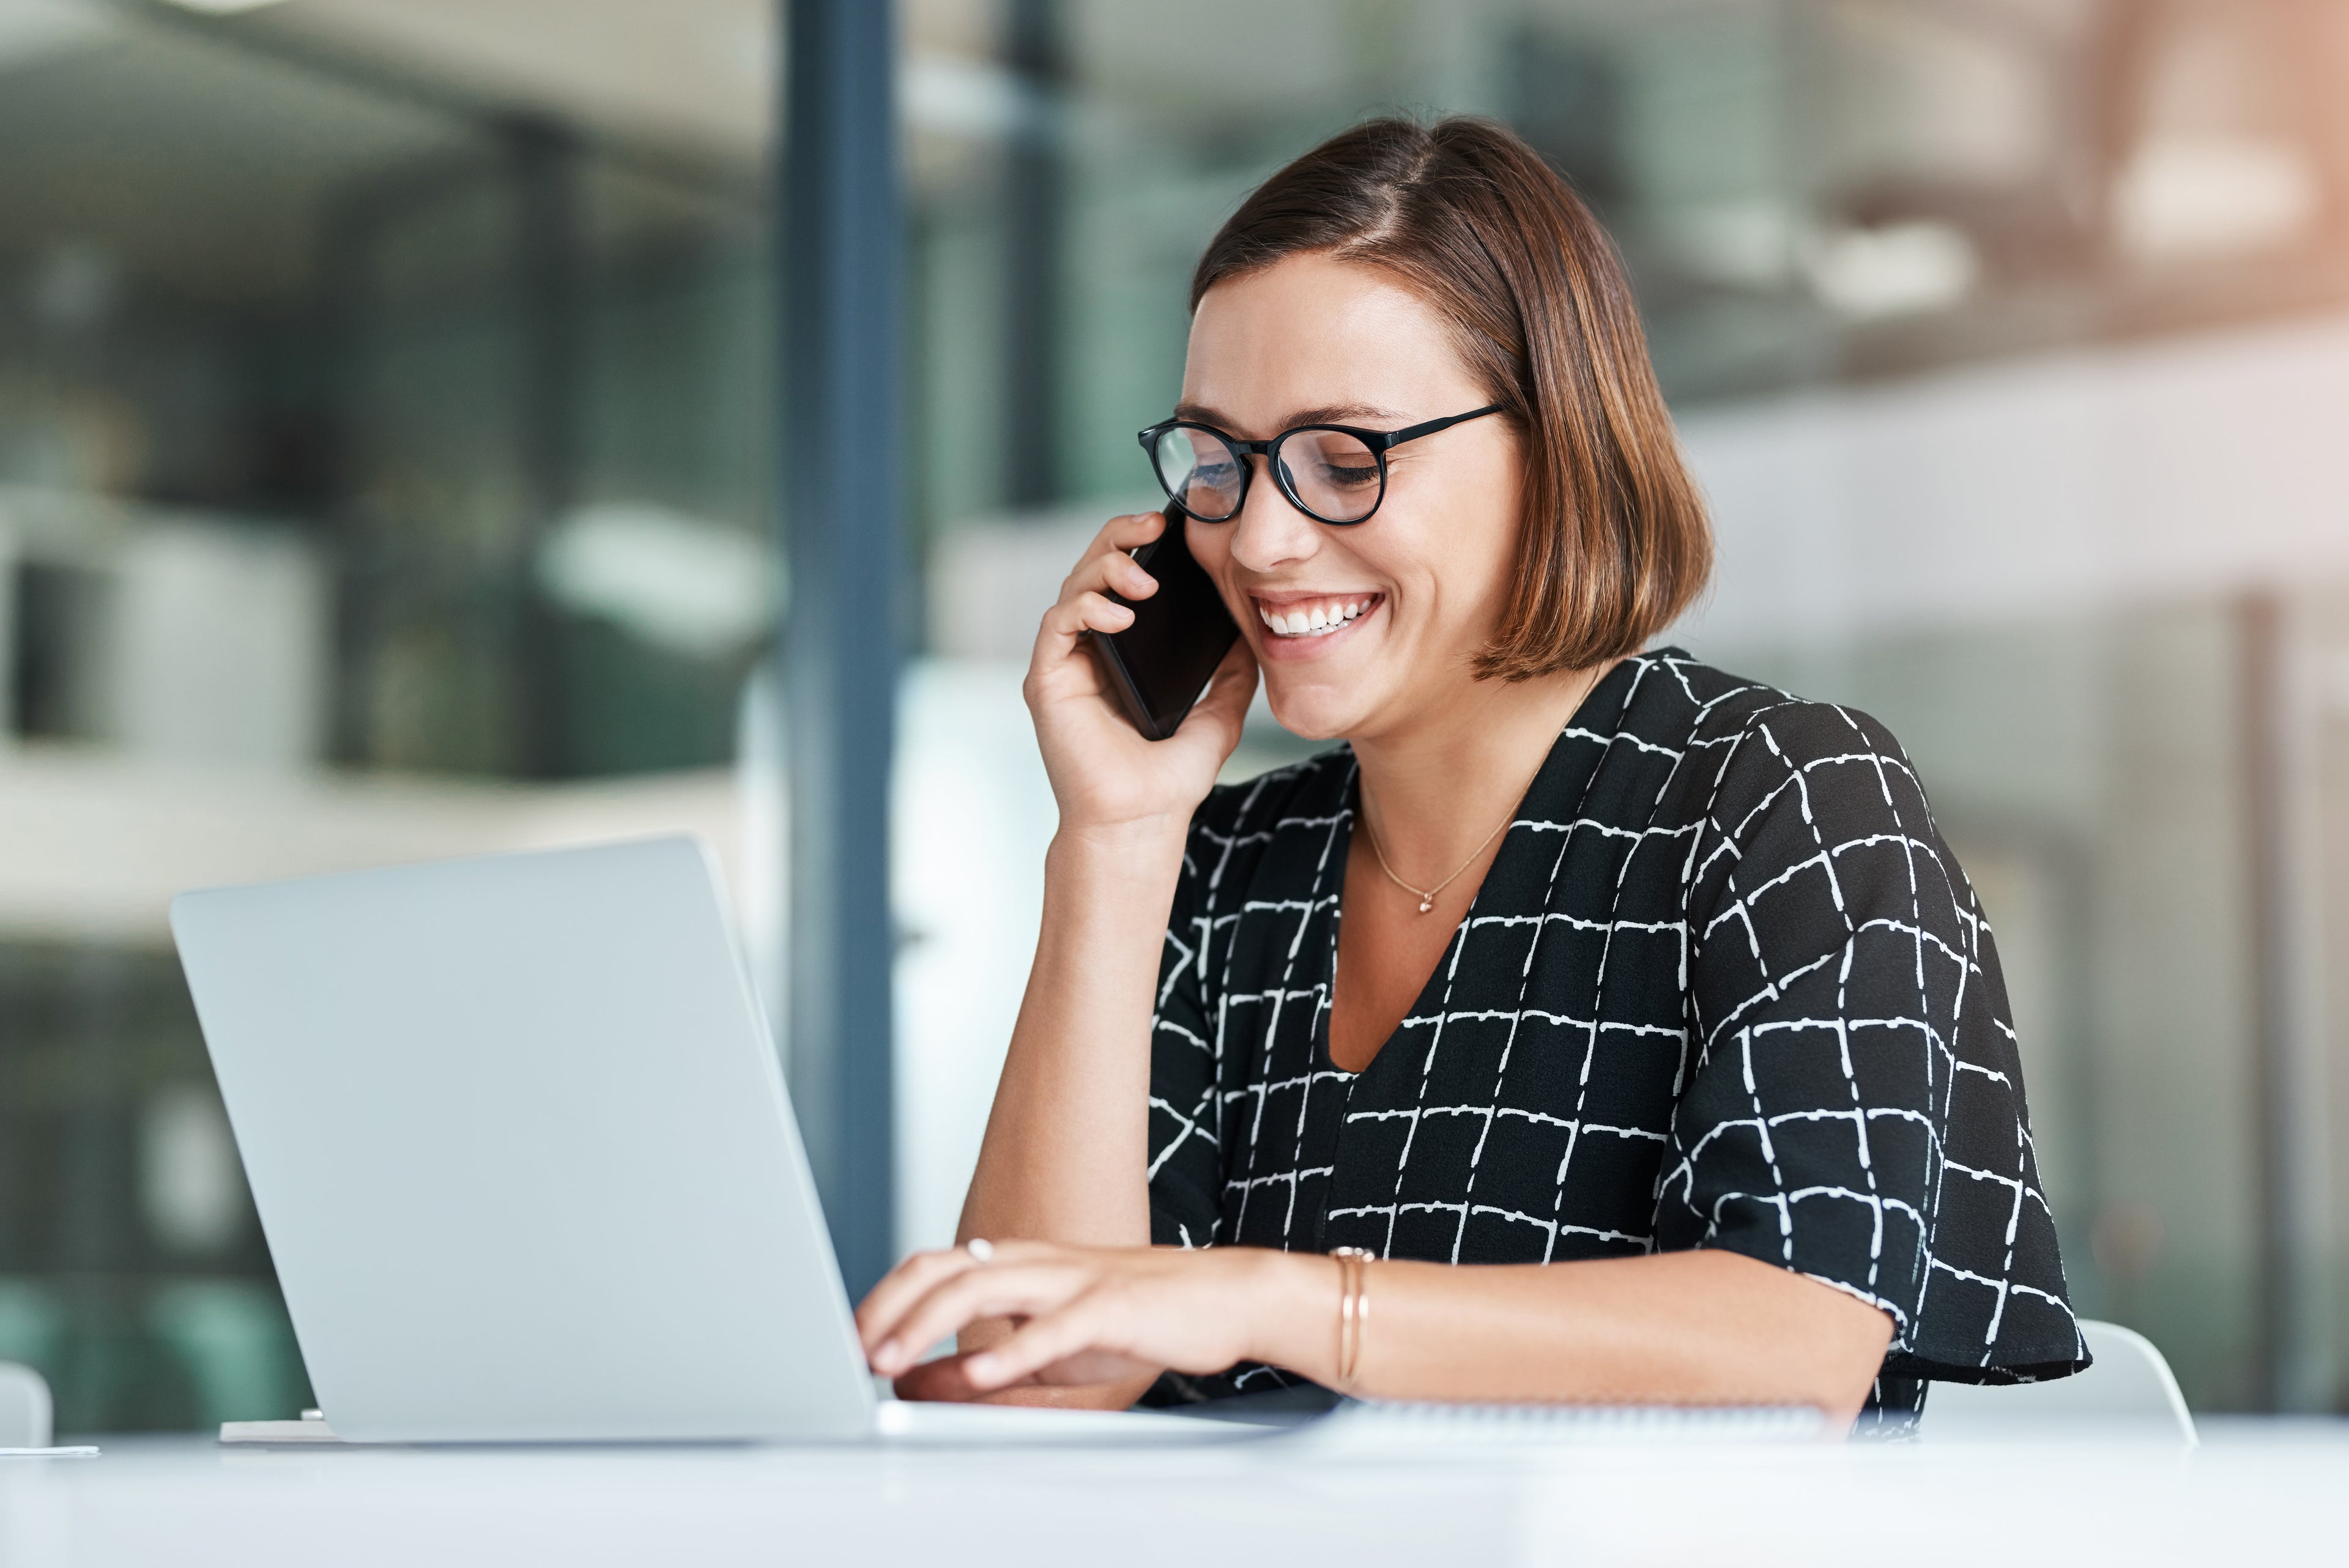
1854 1106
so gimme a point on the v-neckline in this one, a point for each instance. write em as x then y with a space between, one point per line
1546 778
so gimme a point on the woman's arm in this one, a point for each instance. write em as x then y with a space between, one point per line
1066 1149
1702 1327
1066 1144
1066 1155
1697 1328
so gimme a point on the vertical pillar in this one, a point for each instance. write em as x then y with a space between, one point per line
2285 841
1034 221
346 272
2112 61
839 212
551 307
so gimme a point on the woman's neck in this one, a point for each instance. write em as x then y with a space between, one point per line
1435 787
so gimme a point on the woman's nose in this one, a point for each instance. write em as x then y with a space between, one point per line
1269 532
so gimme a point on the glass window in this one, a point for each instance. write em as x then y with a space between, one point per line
383 474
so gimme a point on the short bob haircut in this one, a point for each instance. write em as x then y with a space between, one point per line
1614 542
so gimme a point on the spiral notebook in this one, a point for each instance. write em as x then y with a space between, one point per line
1378 1424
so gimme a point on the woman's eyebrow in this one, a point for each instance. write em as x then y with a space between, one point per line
1333 413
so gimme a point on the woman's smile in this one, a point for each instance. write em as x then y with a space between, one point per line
1309 625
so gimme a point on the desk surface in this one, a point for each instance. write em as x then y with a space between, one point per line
2273 1488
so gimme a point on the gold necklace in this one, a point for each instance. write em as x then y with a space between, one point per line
1426 896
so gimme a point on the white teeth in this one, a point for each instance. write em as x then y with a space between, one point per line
1313 620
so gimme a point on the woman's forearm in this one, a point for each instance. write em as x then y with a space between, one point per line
1066 1151
1702 1327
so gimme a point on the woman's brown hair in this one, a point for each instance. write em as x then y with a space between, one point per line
1614 542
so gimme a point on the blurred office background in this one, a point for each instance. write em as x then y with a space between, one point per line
388 461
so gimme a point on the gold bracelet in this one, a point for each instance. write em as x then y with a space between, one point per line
1353 1309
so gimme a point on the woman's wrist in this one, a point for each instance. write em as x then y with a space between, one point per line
1157 836
1292 1312
1141 858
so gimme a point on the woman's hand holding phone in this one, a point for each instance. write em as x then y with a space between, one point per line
1105 774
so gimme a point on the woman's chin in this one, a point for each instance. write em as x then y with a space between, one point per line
1314 715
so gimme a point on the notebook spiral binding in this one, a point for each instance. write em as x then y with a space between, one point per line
1390 1422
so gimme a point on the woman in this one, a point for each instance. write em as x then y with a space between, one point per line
1624 1029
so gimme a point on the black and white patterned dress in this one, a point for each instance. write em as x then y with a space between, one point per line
1724 986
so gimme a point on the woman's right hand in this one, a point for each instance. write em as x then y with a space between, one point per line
1106 776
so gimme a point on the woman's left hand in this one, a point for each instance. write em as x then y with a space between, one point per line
1082 1314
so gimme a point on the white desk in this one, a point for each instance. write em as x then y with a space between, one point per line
2255 1491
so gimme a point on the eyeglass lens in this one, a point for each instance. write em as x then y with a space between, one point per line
1333 474
1201 473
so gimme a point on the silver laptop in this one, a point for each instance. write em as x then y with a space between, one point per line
526 1165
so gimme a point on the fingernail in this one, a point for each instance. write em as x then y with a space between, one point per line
885 1358
980 1366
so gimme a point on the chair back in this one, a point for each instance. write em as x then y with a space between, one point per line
25 1409
2129 1386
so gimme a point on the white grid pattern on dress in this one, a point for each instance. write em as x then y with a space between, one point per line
1724 986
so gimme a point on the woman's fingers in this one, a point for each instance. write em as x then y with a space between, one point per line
1084 606
1130 531
995 1291
1057 656
1094 582
1106 567
1111 568
1106 561
1128 576
998 1290
947 1378
1045 1340
1078 1315
1086 612
903 1287
940 1379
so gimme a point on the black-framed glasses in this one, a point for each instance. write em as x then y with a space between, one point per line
1333 473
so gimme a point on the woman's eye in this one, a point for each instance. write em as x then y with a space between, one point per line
1333 474
1216 476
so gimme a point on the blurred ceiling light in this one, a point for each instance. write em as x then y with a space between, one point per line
678 582
1899 269
2185 196
224 8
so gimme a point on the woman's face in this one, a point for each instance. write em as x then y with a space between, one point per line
1313 341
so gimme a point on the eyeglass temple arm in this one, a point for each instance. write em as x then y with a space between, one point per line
1413 432
1383 440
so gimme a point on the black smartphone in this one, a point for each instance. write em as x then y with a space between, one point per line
1160 664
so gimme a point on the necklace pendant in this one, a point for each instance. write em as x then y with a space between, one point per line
1425 904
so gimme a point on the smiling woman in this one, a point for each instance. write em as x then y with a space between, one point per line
1647 1044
